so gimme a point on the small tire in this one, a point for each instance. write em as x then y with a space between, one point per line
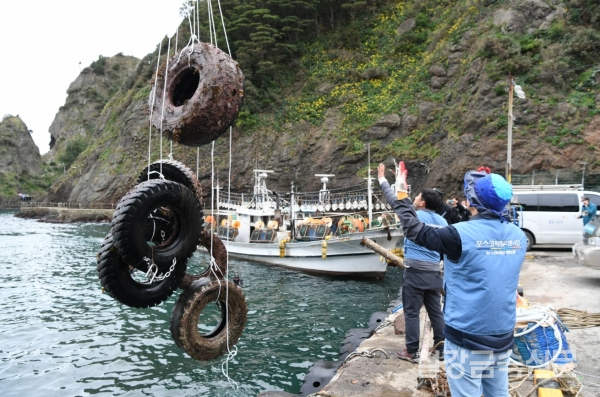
204 94
530 240
116 278
132 219
172 170
217 249
189 306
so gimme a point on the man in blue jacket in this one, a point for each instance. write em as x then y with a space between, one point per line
482 261
588 210
422 279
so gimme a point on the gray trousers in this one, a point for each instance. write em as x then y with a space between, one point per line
422 287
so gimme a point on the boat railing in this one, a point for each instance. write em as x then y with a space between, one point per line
234 200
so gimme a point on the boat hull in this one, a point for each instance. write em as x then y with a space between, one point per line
341 256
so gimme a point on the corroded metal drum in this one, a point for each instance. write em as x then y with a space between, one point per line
204 94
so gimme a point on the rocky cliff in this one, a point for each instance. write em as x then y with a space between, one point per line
86 98
440 104
20 160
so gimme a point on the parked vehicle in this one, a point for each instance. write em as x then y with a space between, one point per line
549 213
587 252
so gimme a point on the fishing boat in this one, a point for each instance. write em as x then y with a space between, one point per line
317 232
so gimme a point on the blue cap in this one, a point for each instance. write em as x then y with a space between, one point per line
490 191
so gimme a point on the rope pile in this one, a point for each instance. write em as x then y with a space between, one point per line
578 318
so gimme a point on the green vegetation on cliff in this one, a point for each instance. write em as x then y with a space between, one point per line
375 58
422 80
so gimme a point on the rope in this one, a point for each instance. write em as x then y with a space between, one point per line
365 353
578 318
212 20
224 30
162 115
152 108
541 315
383 325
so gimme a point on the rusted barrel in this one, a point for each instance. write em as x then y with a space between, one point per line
204 94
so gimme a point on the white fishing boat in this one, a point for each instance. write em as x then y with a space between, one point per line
318 232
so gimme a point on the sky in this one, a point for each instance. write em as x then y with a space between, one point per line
45 43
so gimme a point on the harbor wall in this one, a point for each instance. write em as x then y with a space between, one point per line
66 215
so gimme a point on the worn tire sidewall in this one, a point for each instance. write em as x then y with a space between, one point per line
129 232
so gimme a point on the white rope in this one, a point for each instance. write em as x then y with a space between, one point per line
211 16
163 103
210 30
152 108
198 19
224 30
540 315
176 39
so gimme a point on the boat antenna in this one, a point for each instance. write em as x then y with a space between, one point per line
292 213
369 187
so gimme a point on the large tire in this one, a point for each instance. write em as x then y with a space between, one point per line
187 310
172 170
134 216
204 94
214 246
121 282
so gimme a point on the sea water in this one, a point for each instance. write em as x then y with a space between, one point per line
61 336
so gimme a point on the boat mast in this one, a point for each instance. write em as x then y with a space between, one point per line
369 187
292 213
323 192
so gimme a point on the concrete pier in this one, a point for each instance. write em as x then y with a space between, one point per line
66 215
549 278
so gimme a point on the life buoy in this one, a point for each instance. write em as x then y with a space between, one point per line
272 225
130 223
204 94
259 224
209 219
327 221
236 224
172 170
186 312
225 222
214 246
118 281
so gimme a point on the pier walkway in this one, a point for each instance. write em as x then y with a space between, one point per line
549 278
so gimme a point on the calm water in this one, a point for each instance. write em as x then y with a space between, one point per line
60 336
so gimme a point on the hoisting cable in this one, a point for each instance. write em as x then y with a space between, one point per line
152 107
162 114
231 353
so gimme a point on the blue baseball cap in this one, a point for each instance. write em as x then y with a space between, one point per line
490 191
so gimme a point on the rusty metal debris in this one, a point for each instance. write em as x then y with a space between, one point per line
204 94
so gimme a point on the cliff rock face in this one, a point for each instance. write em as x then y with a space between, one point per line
456 110
86 98
20 158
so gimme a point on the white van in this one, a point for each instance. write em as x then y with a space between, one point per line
549 213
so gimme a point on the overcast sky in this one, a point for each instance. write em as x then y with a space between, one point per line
44 41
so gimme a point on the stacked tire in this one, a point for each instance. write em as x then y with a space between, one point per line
155 229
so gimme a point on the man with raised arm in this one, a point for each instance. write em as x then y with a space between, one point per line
482 261
422 280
